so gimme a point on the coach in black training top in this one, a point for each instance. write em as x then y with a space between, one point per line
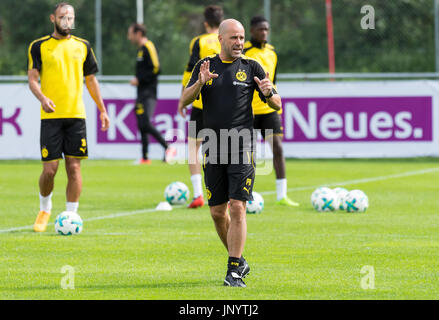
227 82
228 97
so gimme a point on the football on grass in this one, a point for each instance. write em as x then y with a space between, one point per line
68 223
177 193
341 194
356 201
324 199
256 205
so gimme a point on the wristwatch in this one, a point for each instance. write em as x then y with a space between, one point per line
270 95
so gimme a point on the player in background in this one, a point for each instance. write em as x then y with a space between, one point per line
146 79
200 47
265 117
61 61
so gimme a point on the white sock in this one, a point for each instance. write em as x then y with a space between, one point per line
72 206
197 185
46 203
281 188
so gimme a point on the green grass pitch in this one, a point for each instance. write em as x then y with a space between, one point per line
128 251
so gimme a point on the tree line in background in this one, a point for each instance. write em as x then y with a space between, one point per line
402 41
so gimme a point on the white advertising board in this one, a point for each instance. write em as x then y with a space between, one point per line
320 120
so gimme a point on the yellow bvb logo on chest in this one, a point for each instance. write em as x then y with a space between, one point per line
241 75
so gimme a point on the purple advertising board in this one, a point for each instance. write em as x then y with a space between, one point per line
350 119
124 123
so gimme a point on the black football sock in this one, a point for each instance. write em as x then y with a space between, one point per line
233 264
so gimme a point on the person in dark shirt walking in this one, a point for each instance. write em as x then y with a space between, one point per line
146 79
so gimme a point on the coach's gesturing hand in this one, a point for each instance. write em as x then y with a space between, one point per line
205 74
264 85
191 92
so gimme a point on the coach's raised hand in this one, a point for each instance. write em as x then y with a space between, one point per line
264 85
190 93
205 74
273 100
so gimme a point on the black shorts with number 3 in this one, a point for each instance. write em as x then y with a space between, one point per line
60 137
229 181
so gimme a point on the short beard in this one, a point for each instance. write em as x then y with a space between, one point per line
232 54
63 32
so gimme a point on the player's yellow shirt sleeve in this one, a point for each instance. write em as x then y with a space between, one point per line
194 57
200 47
62 64
267 57
153 55
186 77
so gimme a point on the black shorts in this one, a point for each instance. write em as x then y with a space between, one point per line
197 117
268 121
229 181
63 136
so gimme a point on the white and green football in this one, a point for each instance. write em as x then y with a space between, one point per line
177 193
316 193
356 201
68 223
341 194
324 199
256 205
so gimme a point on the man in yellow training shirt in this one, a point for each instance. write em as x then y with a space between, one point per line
61 61
201 47
264 116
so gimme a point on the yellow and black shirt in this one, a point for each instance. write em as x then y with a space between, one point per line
263 53
147 70
62 64
200 47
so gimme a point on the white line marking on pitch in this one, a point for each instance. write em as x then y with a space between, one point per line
110 216
343 183
365 180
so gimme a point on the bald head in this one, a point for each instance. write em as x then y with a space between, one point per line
230 25
231 36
